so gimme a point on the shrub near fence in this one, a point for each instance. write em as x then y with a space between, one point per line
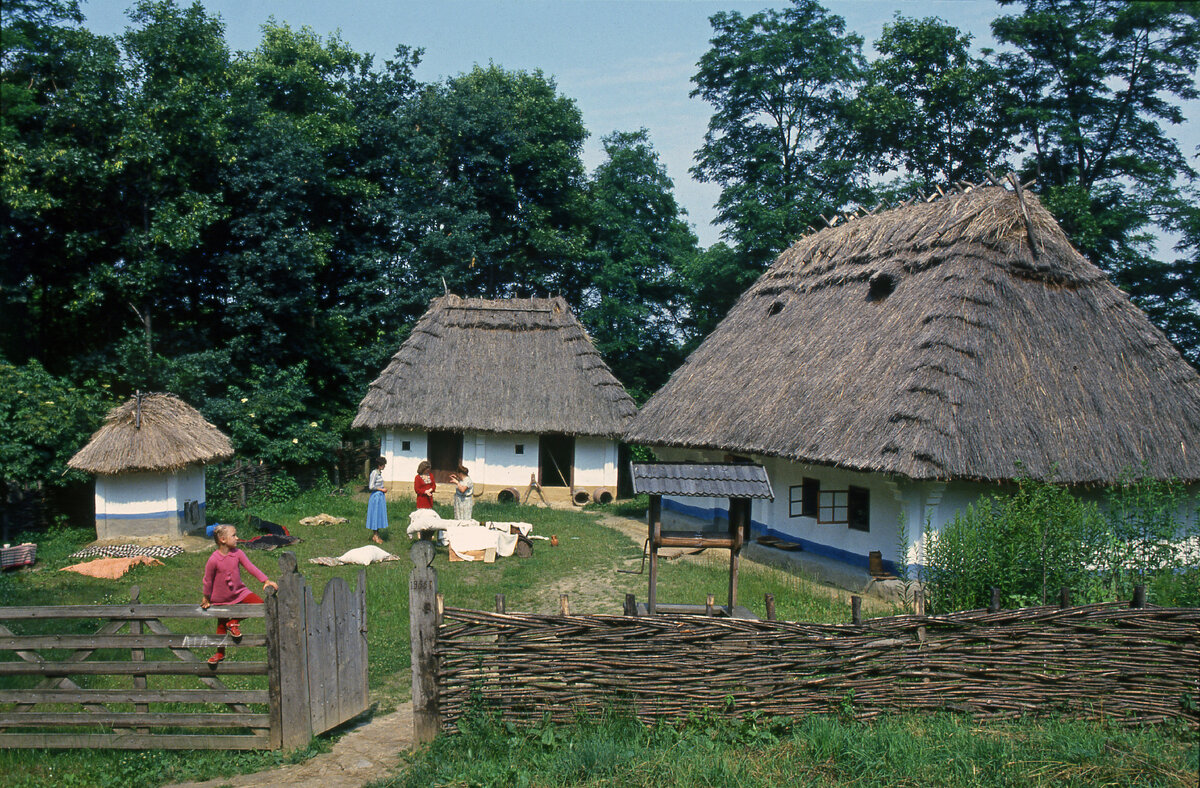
1098 661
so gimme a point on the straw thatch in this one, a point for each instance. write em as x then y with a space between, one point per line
949 339
521 365
171 435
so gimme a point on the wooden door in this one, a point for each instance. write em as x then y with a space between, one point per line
445 453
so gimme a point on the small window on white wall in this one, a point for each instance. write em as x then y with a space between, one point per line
795 501
519 448
834 508
405 445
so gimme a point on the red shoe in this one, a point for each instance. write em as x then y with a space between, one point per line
234 629
215 658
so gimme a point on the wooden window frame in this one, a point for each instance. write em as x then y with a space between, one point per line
812 496
518 448
405 445
796 500
833 504
858 514
803 498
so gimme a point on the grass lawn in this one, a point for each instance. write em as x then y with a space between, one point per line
584 565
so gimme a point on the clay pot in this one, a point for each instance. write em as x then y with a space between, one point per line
553 540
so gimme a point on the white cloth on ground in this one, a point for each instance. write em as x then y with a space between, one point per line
464 535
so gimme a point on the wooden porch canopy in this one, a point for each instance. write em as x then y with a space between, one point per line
739 482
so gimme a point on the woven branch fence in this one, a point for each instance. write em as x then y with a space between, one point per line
1098 661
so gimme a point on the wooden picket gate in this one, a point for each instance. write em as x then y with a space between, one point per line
315 673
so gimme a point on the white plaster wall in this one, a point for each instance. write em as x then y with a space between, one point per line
884 509
134 493
501 465
401 464
162 494
595 463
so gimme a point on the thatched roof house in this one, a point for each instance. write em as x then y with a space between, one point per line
156 432
903 363
475 367
148 459
950 339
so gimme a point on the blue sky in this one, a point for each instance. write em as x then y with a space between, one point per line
626 63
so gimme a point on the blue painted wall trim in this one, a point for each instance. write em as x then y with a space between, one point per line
146 515
762 529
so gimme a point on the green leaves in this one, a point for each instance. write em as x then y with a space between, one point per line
776 81
44 420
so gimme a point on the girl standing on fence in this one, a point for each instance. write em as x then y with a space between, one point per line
223 583
377 503
424 485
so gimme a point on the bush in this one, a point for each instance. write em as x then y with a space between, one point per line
44 421
1042 538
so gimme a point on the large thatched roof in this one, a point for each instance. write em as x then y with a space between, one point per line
520 365
949 339
163 433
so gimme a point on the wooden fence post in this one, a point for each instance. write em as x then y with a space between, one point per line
1139 596
500 603
1064 598
288 656
769 600
994 607
423 628
856 610
138 654
630 605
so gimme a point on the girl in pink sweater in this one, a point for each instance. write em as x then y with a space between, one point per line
223 582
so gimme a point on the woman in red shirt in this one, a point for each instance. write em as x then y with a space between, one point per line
424 485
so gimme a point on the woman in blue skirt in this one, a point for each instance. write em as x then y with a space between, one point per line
377 503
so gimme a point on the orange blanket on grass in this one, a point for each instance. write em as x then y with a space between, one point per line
110 568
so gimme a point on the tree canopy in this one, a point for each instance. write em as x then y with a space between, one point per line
257 231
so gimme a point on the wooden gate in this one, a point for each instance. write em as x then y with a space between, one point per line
313 677
320 657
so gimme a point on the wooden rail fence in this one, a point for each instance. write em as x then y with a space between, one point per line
1108 661
305 674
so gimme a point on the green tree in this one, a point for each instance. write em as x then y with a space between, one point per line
506 152
169 156
60 88
928 107
776 143
642 242
1099 81
44 421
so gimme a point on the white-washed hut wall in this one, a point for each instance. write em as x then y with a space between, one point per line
146 504
595 463
402 462
502 465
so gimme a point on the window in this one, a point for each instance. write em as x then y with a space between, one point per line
812 491
796 501
405 445
519 448
859 508
802 498
834 507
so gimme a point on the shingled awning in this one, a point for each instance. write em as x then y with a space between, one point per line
693 479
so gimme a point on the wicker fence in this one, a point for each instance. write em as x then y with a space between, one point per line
1098 661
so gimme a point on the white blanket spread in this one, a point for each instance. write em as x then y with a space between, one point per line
463 535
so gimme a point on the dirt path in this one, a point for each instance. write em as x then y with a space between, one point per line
368 752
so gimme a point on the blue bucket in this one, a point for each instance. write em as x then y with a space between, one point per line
209 530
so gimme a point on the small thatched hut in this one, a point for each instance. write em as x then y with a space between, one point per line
149 462
904 363
511 388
